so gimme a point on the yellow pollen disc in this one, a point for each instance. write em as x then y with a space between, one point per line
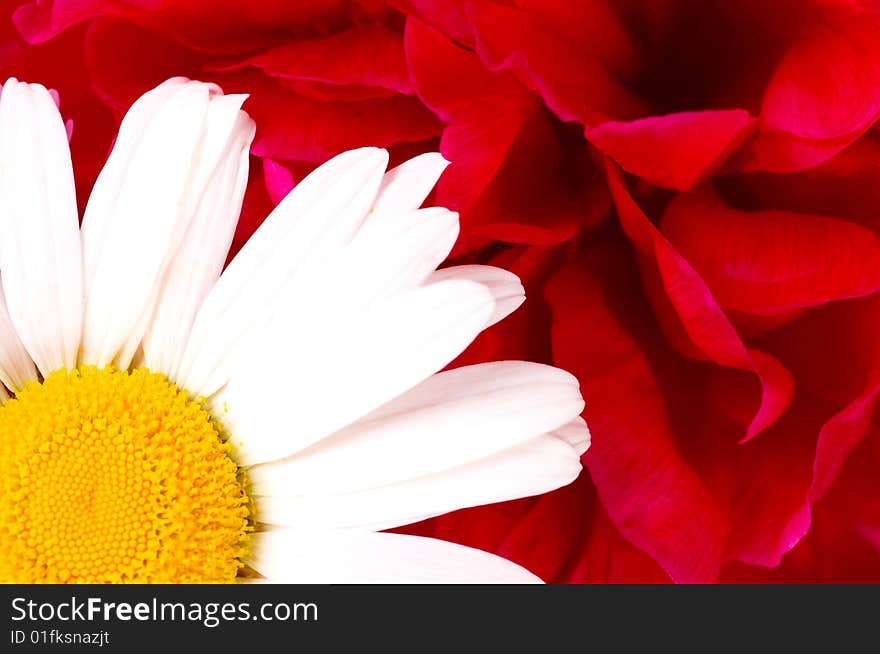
110 476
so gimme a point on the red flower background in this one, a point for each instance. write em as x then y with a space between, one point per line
690 192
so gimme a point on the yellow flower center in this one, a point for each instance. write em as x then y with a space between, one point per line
110 476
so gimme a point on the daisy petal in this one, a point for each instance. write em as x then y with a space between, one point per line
453 418
319 216
407 247
576 434
203 251
346 373
225 132
503 284
389 254
362 557
40 250
136 216
405 188
16 366
537 466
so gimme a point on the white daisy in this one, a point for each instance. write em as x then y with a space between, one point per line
172 423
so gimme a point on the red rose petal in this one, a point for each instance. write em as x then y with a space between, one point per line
370 55
565 536
544 192
514 176
847 186
279 180
575 84
839 437
673 151
771 262
827 85
770 511
609 558
526 539
218 26
692 311
593 25
448 17
841 546
781 152
290 127
485 111
39 22
834 354
327 92
125 61
651 492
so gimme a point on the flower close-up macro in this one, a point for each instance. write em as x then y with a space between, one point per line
174 424
323 248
